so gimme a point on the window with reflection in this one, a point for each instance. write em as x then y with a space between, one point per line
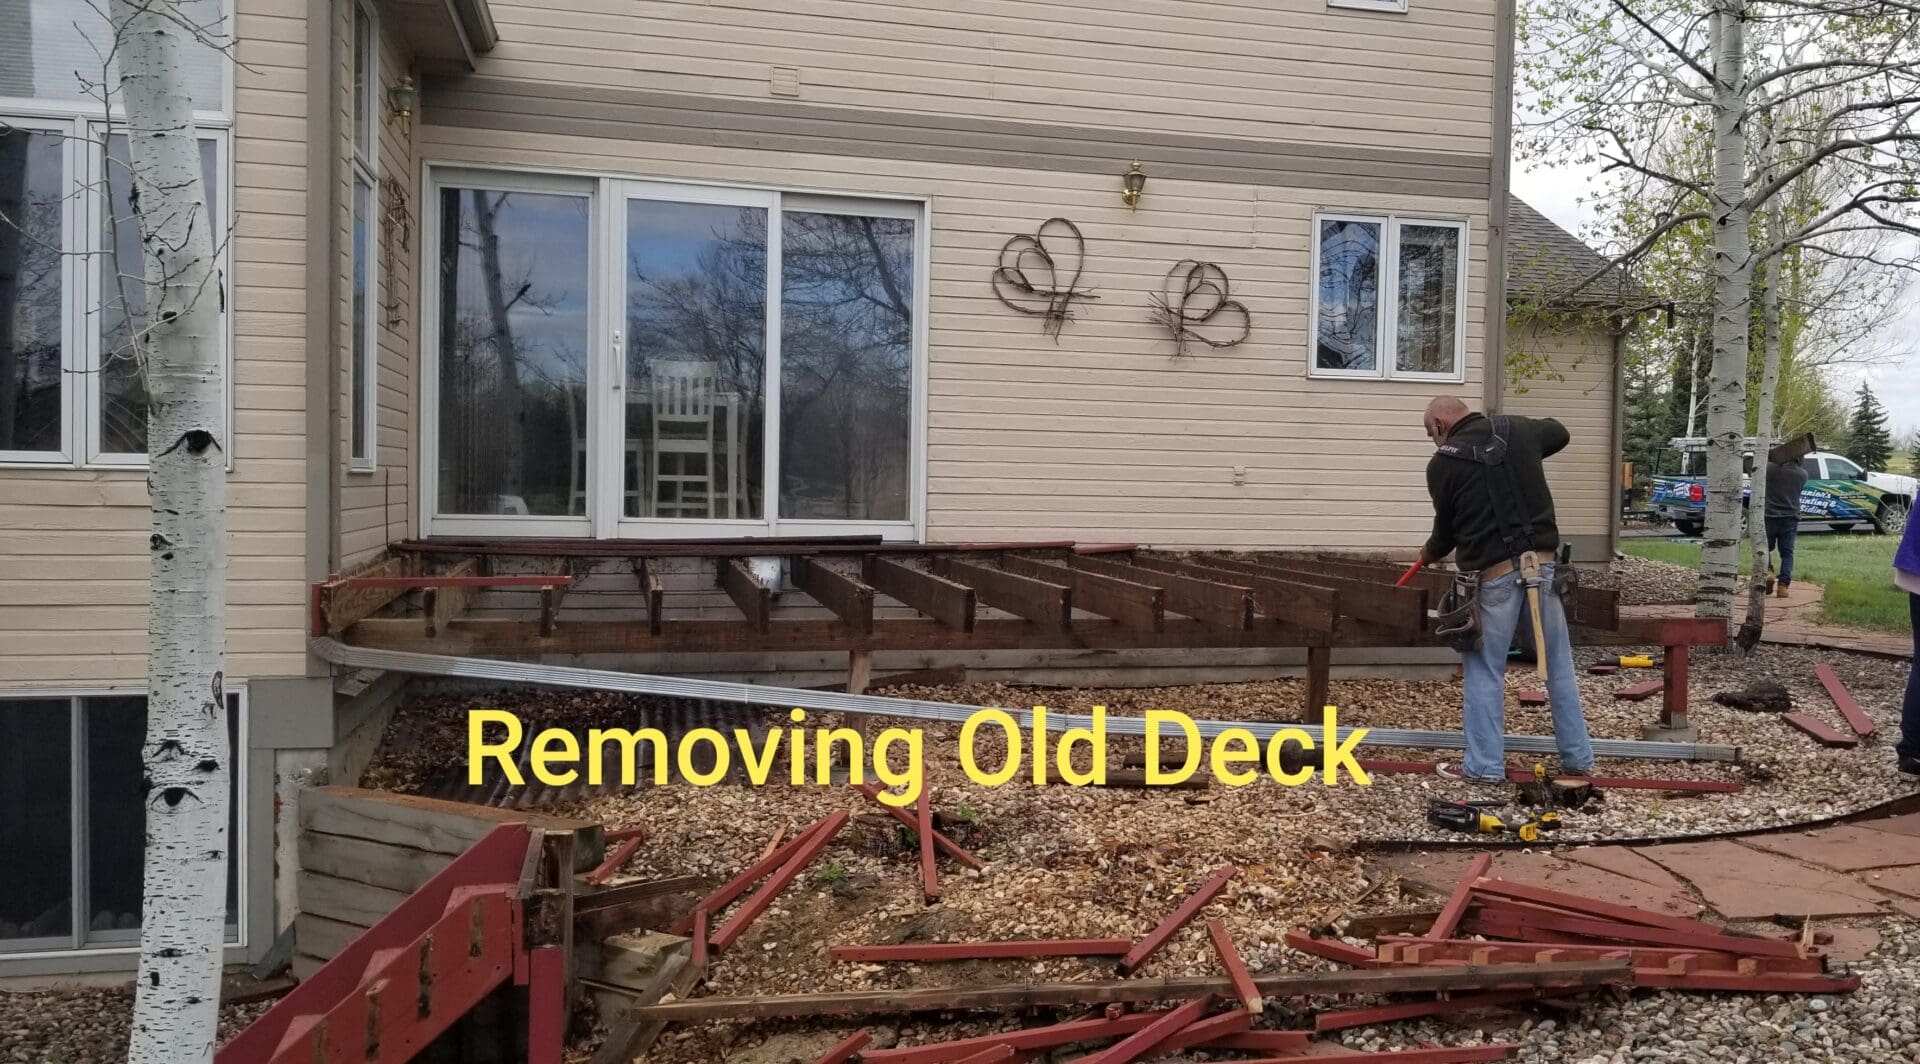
1392 283
33 191
514 336
846 366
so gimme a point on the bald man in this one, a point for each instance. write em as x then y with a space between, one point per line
1493 511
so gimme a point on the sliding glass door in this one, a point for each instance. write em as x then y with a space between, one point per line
514 328
632 359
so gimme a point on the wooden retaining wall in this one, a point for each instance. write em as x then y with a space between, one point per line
362 851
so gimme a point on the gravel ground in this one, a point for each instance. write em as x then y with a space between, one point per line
82 1026
1643 582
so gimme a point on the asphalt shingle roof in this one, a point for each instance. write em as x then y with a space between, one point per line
1544 262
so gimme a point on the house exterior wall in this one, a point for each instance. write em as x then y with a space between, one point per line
1249 118
73 558
376 505
1572 376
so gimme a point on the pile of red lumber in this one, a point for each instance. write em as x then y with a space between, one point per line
1493 921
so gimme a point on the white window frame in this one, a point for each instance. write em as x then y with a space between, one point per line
606 363
1394 7
76 797
1386 354
365 378
73 155
81 122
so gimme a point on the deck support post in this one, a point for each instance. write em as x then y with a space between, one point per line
1319 674
1673 726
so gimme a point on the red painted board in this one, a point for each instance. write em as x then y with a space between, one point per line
844 1052
1056 1034
1862 725
1236 968
1208 1032
1345 1018
1175 920
947 845
1459 1055
1332 949
1151 1037
1592 906
736 925
752 874
923 825
1639 692
1823 733
973 951
1264 1041
1456 906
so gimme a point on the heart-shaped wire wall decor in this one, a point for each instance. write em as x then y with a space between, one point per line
1040 274
1197 295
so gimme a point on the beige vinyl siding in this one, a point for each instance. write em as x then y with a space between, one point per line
1268 69
1104 436
73 558
376 506
1574 383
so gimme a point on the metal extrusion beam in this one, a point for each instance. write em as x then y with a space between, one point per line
339 653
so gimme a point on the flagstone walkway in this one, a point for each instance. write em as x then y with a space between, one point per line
1866 868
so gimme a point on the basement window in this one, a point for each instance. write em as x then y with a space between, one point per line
71 807
1389 297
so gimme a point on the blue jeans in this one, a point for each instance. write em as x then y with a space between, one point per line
1502 605
1910 713
1781 532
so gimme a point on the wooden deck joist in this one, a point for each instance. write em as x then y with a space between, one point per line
1376 602
1226 606
650 590
1045 604
945 601
748 592
1140 606
849 599
1286 601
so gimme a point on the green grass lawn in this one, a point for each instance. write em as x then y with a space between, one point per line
1855 574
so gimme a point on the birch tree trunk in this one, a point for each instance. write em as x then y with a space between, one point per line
1732 284
186 757
1755 623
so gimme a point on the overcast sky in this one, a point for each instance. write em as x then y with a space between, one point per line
1563 193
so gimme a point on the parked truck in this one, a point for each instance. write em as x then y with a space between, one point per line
1839 495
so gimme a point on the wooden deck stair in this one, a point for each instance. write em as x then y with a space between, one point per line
417 971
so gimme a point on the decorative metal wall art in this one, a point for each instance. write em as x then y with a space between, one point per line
396 240
1196 295
1035 278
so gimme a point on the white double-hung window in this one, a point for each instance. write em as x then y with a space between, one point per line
1389 297
364 345
72 305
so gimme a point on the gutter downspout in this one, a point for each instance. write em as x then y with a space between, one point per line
1501 159
1620 328
323 302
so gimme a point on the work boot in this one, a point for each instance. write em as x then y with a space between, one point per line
1448 770
1782 593
1771 581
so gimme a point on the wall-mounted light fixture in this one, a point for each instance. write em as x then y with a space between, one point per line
1133 183
400 100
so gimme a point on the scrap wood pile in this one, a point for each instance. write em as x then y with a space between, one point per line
1518 923
1206 1013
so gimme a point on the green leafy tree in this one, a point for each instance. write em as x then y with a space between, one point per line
1871 444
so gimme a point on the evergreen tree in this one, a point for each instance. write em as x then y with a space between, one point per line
1871 444
1913 455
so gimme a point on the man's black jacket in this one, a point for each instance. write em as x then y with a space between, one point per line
1464 517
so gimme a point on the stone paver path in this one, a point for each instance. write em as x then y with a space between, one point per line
1859 869
1795 621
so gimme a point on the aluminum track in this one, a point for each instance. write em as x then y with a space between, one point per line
745 694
